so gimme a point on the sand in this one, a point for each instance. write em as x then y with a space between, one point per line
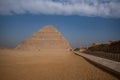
47 65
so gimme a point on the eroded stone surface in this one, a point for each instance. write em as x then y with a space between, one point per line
46 38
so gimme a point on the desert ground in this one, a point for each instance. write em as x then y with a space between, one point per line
47 65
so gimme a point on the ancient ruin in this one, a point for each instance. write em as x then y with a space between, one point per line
46 38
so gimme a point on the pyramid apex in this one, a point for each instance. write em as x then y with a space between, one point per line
49 26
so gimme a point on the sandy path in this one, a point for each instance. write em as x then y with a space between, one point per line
47 65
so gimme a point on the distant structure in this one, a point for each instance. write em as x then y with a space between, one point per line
46 38
81 49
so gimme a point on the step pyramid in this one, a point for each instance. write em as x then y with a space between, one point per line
46 38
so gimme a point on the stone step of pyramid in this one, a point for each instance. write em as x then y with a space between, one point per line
47 35
46 38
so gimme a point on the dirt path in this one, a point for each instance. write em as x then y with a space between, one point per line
47 65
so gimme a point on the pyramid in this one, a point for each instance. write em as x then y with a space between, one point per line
46 38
